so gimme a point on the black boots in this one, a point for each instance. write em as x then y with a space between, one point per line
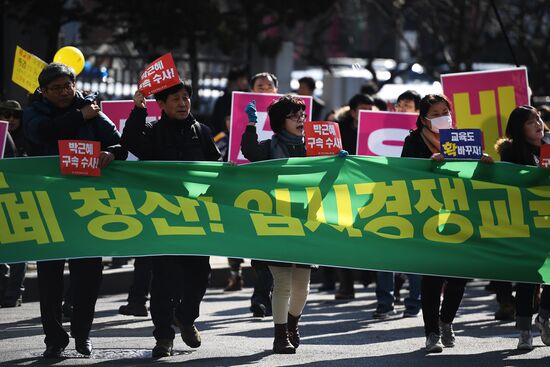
281 344
234 283
293 333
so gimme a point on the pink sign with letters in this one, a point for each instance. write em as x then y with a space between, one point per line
3 136
118 111
239 120
484 100
381 133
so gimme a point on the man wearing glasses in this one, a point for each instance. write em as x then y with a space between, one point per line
58 111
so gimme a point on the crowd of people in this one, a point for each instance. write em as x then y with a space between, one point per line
58 111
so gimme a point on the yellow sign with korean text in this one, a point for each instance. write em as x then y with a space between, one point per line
26 68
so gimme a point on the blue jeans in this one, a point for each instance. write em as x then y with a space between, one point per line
384 290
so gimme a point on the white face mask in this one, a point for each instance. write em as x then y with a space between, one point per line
441 122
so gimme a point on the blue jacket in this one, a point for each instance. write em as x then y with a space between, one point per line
45 124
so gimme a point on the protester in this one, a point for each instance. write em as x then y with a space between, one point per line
290 281
179 282
260 302
408 101
307 88
59 111
140 288
524 135
423 142
348 121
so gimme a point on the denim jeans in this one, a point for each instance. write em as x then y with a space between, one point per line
384 290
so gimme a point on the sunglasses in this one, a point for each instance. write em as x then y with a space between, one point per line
10 113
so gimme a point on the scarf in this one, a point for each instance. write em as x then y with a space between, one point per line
430 139
280 141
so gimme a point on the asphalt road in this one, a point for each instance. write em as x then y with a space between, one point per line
334 334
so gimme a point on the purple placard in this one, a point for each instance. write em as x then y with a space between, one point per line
239 120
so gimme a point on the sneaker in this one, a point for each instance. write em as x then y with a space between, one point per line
506 312
447 334
12 302
525 340
433 345
163 348
133 309
383 312
544 327
411 312
189 334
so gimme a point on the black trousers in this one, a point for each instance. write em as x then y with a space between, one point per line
178 286
85 277
503 291
141 285
431 300
15 283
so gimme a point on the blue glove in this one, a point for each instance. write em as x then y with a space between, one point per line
343 153
250 111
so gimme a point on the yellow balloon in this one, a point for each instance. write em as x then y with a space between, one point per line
70 56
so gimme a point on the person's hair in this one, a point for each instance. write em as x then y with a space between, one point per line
358 99
425 103
54 71
183 84
236 72
544 111
308 81
369 88
410 95
264 75
515 134
280 108
380 103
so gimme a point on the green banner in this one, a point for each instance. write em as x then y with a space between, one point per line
411 215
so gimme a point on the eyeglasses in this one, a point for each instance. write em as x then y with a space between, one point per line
10 113
58 89
298 117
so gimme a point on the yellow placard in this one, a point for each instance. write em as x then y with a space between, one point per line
26 68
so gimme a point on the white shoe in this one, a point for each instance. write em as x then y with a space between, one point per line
447 334
525 340
544 327
433 345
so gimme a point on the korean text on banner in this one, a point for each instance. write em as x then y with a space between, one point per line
545 155
383 133
26 68
79 157
461 143
239 119
322 138
484 100
159 75
3 136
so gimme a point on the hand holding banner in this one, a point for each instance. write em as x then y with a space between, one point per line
159 75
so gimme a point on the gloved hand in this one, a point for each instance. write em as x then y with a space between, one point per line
250 111
343 153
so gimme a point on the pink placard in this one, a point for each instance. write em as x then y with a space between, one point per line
383 133
3 136
484 100
239 120
118 111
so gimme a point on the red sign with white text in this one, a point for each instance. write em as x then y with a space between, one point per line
545 155
79 157
159 75
322 138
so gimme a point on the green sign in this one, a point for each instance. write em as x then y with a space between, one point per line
463 219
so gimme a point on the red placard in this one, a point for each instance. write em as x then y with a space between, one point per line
545 155
159 75
322 138
79 157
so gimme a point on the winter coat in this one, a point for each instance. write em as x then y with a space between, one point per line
44 124
415 147
167 139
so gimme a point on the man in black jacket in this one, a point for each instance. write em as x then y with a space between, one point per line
58 111
179 282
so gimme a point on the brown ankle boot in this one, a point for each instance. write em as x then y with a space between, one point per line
293 333
234 283
281 344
